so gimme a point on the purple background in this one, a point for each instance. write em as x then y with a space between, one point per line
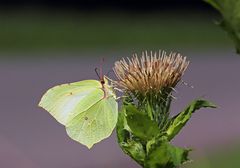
31 138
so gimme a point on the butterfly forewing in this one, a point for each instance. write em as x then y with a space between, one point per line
66 101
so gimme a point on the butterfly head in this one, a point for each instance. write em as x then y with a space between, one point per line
102 81
108 88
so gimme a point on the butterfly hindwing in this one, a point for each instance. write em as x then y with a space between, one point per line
94 124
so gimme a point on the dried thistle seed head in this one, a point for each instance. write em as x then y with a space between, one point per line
152 72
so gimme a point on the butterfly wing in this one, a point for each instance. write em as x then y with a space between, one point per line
66 101
94 124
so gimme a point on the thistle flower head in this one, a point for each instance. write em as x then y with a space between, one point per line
150 73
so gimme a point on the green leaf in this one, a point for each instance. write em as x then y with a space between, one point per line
122 128
135 150
230 11
132 148
162 154
179 121
140 124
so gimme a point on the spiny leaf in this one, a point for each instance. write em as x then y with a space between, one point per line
132 148
179 121
140 124
122 129
135 150
161 154
230 11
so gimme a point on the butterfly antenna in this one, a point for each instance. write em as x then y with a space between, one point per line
97 72
101 69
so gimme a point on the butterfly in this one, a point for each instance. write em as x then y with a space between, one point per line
88 109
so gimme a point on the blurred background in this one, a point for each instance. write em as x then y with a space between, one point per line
44 43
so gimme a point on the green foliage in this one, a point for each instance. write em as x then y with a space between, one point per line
143 139
132 148
140 124
178 122
230 11
135 150
122 132
75 32
161 154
